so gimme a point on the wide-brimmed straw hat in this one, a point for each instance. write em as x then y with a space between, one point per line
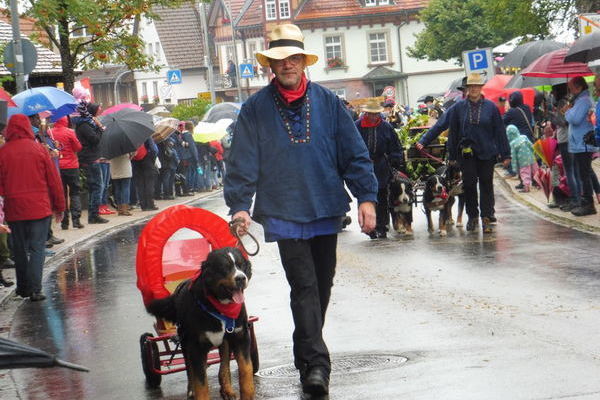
475 79
372 106
284 41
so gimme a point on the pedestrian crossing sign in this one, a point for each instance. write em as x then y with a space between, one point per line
174 76
246 71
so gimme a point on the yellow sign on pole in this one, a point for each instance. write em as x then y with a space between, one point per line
204 96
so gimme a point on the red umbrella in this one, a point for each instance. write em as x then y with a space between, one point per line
546 149
543 177
6 97
121 106
552 65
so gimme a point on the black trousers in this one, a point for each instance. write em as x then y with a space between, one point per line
145 176
309 267
382 210
479 171
583 163
71 187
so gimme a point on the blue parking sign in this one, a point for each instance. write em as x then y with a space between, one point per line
478 60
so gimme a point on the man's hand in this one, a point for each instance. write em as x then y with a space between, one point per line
419 146
246 221
506 162
366 216
58 217
4 228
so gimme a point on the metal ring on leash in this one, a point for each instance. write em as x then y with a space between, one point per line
234 227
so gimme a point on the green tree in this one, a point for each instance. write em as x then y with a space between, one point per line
110 28
454 26
195 110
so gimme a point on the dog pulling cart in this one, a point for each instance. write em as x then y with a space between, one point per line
170 250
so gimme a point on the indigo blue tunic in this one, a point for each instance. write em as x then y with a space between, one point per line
297 182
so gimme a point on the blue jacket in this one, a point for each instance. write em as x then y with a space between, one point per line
579 123
487 138
384 149
519 115
299 182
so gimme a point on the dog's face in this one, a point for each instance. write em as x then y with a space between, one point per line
435 185
225 275
401 195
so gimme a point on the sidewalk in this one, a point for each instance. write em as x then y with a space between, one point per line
536 200
74 236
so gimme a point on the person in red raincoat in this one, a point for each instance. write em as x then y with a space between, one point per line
32 191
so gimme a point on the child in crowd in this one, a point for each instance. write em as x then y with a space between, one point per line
523 159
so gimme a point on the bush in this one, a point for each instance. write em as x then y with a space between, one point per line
195 110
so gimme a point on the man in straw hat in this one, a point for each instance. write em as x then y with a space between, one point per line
295 146
476 140
385 151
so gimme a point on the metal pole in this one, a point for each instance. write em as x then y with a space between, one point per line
17 47
235 56
115 91
207 60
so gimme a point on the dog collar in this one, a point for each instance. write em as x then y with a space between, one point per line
227 321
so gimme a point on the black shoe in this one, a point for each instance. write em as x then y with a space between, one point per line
97 220
22 293
49 245
55 240
381 235
472 224
153 208
520 186
568 206
553 205
486 225
493 220
64 227
37 297
77 224
586 208
372 235
316 381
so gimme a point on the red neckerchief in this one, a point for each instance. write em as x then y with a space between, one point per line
231 310
367 123
290 95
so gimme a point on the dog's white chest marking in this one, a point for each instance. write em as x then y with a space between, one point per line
216 337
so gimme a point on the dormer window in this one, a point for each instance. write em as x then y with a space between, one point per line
369 3
372 3
284 9
273 6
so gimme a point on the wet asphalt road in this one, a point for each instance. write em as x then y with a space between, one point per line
513 315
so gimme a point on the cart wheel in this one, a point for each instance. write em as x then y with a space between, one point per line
150 360
253 350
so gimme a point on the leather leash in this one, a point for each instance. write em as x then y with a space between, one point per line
235 227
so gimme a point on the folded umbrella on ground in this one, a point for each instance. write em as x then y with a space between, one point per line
16 355
125 131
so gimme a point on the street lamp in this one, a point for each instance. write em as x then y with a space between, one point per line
115 91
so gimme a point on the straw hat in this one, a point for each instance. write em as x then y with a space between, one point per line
372 106
284 41
475 79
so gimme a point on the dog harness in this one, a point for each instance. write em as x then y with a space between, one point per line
227 320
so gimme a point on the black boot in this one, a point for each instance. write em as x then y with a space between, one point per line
586 208
77 224
96 219
64 224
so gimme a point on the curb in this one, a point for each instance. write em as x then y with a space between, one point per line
55 260
562 220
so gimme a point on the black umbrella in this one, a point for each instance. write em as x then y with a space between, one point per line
126 130
222 111
16 355
519 82
434 95
585 49
526 53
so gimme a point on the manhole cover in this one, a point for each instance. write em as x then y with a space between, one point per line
342 365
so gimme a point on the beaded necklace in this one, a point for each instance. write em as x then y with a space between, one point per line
475 111
286 122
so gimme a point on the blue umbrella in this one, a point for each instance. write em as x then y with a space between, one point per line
45 98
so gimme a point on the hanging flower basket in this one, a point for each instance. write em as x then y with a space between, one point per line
335 62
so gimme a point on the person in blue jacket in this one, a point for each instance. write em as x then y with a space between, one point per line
578 117
477 137
386 153
294 147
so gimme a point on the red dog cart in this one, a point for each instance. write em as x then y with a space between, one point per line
171 249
